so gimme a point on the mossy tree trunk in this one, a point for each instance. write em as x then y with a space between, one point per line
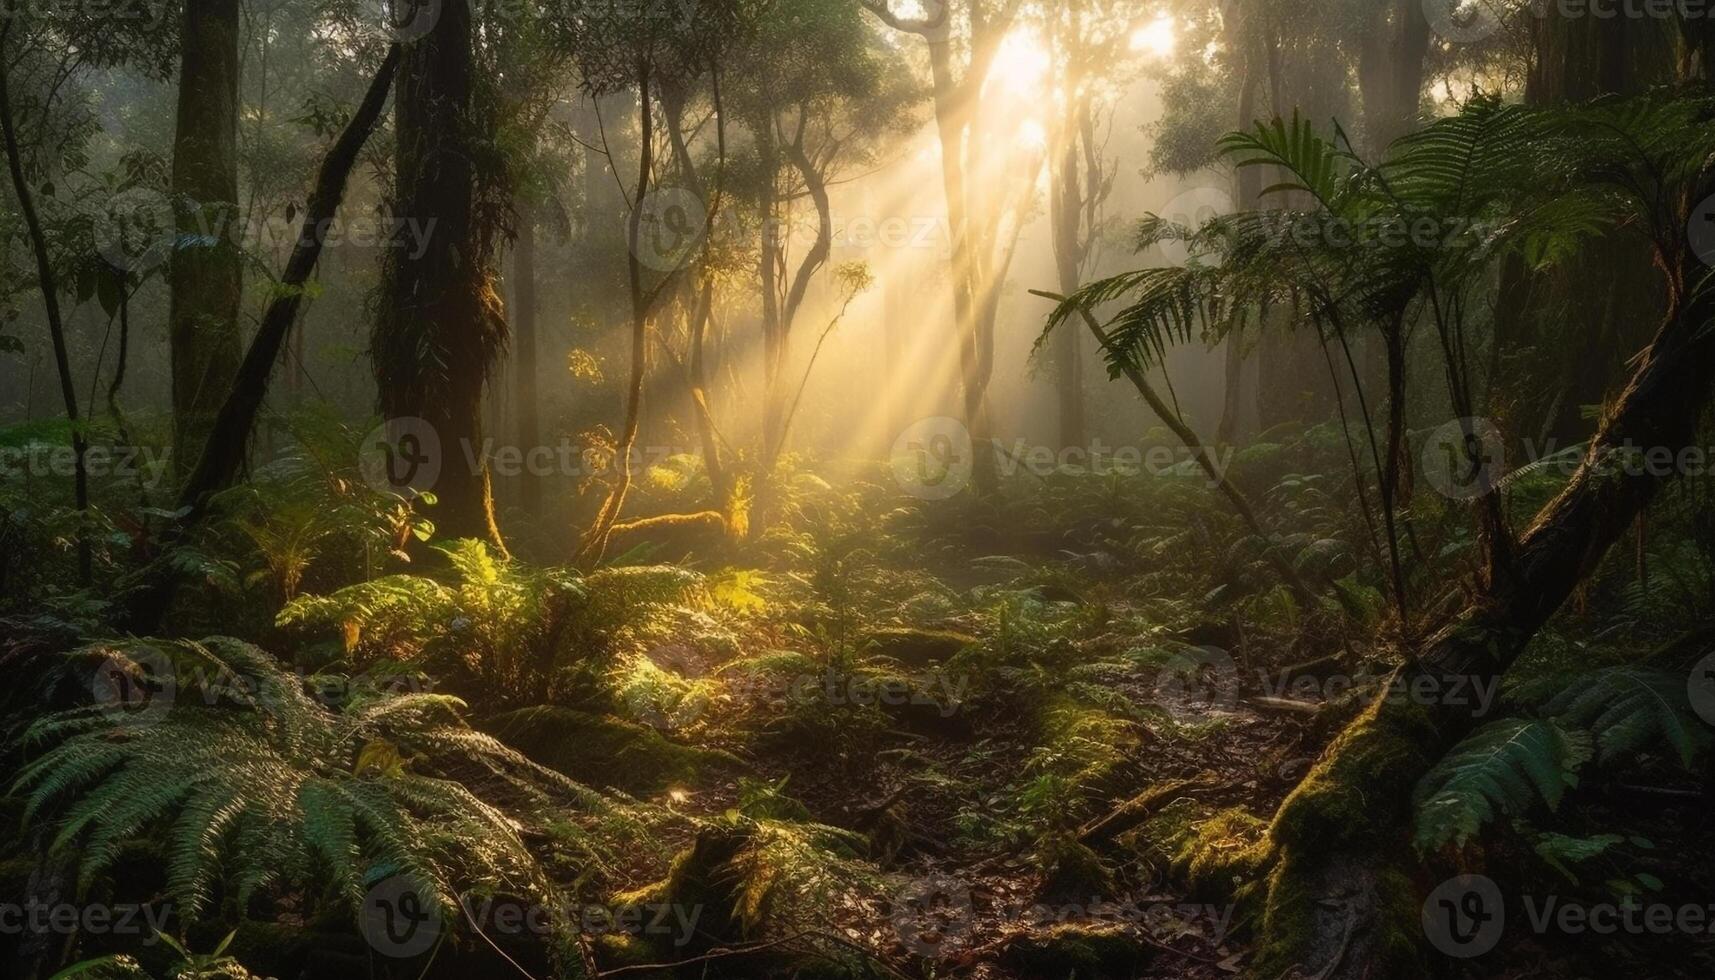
205 275
1341 835
440 327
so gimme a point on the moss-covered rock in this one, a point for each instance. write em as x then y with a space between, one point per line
917 648
604 751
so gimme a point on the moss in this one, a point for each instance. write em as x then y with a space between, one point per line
1299 924
1075 952
1360 791
602 750
1074 871
1222 853
917 647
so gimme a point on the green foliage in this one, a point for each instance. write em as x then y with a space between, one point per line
501 619
1628 709
251 784
1503 768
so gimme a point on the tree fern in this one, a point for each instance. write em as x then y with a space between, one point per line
1504 767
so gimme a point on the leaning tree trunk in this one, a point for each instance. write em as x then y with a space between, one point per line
205 276
440 328
1336 901
229 438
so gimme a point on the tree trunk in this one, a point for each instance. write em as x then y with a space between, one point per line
1337 901
524 353
594 543
1066 212
49 287
229 439
440 328
205 274
1576 59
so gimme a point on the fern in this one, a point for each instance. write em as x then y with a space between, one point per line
252 785
1627 708
1502 768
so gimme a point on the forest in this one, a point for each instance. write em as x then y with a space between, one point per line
837 489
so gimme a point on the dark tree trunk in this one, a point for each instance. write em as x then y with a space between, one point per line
48 285
440 329
229 439
205 275
1596 296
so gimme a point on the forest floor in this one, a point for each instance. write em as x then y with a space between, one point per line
1024 730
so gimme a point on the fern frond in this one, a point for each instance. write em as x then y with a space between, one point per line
1502 768
1627 708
